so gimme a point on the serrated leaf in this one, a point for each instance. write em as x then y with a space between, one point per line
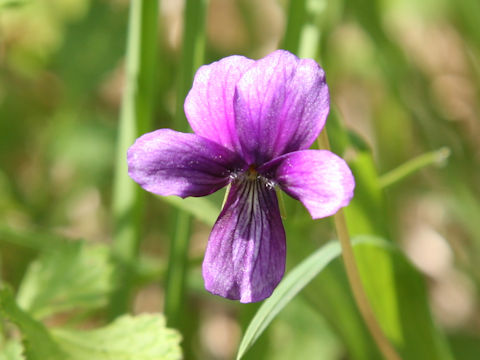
288 288
143 337
37 340
12 350
75 276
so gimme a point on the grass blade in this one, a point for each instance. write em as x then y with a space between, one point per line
135 119
437 157
192 57
290 286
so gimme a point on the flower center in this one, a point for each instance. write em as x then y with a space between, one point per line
252 173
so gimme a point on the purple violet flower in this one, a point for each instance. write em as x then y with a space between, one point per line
253 122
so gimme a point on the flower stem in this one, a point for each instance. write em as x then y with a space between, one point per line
193 49
354 279
225 197
281 204
296 19
177 264
437 157
135 118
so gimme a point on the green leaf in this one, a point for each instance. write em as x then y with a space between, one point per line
338 135
138 106
12 350
302 335
465 346
296 19
438 157
144 337
394 287
398 296
288 288
366 212
38 342
75 276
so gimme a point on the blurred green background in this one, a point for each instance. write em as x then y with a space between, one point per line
404 77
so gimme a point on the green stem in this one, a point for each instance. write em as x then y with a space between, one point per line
193 52
296 17
225 197
303 34
305 40
354 279
281 204
135 119
437 157
177 266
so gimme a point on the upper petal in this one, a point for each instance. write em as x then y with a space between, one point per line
321 180
167 162
245 257
209 104
281 104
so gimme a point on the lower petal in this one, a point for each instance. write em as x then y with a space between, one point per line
321 180
245 257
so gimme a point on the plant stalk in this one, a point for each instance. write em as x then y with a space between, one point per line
193 49
354 279
135 119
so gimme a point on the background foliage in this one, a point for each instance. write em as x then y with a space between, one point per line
404 78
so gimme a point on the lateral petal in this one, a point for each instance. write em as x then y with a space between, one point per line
321 180
167 162
245 256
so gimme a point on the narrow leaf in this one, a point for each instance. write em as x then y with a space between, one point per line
395 289
437 157
397 293
290 286
135 119
193 55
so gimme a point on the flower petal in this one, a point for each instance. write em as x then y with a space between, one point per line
281 105
209 104
321 180
245 257
167 162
